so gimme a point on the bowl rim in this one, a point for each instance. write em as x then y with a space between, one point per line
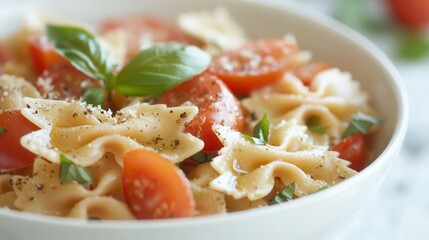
395 142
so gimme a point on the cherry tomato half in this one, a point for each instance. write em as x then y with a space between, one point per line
306 73
216 104
353 148
139 29
63 81
4 55
12 154
42 53
411 13
155 188
255 65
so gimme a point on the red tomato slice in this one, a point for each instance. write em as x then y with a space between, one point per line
4 55
255 65
63 81
353 148
12 154
216 104
42 53
145 28
411 13
155 188
308 72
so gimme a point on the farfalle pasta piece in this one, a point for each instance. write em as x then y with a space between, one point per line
249 170
101 208
44 193
84 133
217 29
334 126
13 90
331 88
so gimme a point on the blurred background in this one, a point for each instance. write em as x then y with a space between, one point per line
400 209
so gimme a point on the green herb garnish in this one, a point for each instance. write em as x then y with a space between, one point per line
413 46
94 96
260 132
313 124
69 171
360 124
2 130
160 68
285 195
83 51
203 157
152 71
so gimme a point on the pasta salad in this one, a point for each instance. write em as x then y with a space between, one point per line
141 118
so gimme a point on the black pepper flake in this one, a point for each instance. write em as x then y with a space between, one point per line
183 115
171 111
253 116
176 142
342 177
40 186
75 114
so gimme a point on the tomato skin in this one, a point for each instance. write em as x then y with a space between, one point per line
12 154
155 188
149 28
65 81
353 148
242 72
306 73
411 13
42 53
4 55
216 104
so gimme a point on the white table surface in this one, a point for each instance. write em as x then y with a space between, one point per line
400 209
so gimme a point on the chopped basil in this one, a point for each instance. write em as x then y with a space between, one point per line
2 130
160 68
313 124
151 72
94 96
285 195
254 140
360 124
69 171
260 132
262 129
203 157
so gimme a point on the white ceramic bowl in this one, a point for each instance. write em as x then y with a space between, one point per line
318 216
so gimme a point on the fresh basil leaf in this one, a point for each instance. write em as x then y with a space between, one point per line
84 52
254 140
2 130
160 68
94 96
285 195
413 46
313 124
69 172
262 129
203 157
360 124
